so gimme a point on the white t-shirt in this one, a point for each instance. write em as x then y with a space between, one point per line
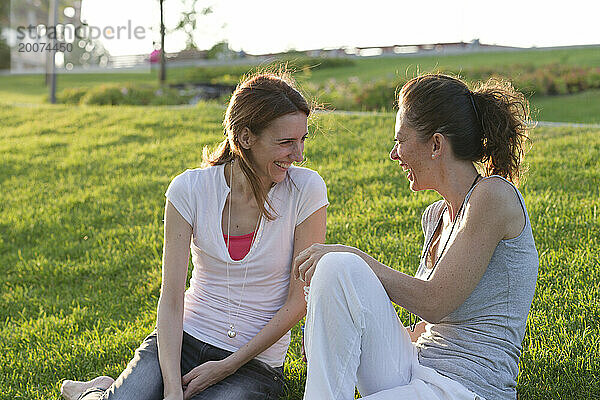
199 195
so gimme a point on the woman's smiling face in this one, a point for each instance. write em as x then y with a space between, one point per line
412 154
279 145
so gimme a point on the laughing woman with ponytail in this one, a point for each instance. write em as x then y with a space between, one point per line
477 271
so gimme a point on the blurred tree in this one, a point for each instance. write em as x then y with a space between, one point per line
188 21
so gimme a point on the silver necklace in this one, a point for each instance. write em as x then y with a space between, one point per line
231 333
412 323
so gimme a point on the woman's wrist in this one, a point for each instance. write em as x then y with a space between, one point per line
172 387
231 363
347 249
171 378
175 392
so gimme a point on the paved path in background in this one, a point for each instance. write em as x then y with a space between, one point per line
568 124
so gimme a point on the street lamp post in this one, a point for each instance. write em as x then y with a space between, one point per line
163 70
53 20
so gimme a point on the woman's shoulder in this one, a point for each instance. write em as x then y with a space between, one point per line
496 191
194 174
503 199
303 175
195 180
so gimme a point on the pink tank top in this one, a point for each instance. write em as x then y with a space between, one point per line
239 246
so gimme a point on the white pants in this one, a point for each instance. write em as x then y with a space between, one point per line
353 337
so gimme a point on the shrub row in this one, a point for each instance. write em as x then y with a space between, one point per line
549 80
127 94
350 94
379 95
231 75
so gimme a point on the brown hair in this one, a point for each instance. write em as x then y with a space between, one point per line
488 125
257 101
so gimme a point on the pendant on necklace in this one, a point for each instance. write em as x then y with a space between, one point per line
231 332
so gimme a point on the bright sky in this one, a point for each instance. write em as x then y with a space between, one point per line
263 26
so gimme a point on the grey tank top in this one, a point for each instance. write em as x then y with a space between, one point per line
479 343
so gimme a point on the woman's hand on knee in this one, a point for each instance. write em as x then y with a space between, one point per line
306 262
204 376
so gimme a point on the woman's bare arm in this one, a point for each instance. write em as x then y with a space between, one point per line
489 211
176 250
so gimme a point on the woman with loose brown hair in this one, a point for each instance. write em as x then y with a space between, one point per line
477 272
244 216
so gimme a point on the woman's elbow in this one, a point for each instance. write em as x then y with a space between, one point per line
170 301
432 317
430 314
433 309
296 310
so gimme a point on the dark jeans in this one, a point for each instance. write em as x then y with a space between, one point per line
142 379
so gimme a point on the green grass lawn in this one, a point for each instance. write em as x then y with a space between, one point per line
81 236
581 107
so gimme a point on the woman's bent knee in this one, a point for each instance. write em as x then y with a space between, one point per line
337 267
336 272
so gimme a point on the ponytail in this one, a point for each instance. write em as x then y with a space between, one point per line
222 154
504 121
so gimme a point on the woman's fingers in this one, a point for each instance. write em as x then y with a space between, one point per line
187 378
194 387
306 266
307 269
189 392
205 375
300 259
306 261
309 274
